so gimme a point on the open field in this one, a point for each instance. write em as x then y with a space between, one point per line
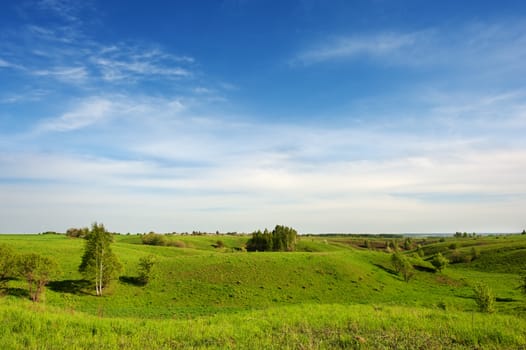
334 292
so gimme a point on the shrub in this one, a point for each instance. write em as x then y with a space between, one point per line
475 253
439 262
484 298
145 269
77 232
402 265
456 257
154 239
420 251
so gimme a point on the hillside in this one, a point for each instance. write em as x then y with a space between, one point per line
331 282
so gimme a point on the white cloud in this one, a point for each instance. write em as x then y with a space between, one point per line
7 64
127 62
68 10
491 48
27 95
4 64
383 44
386 45
65 74
86 113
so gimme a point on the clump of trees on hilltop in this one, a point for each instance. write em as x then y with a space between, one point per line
281 239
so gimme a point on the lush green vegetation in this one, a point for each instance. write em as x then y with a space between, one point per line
281 239
332 292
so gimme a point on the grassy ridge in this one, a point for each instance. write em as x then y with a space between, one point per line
296 327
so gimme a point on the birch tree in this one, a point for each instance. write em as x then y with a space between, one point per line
99 265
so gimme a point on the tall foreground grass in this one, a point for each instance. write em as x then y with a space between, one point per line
26 326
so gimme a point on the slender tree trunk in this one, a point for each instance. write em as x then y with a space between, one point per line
101 270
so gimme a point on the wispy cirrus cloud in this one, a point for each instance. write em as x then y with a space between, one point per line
126 62
66 74
84 114
10 65
68 10
473 45
65 51
4 64
382 44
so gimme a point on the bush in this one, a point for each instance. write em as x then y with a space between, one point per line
475 253
420 251
154 239
439 262
484 298
402 265
145 269
77 232
457 257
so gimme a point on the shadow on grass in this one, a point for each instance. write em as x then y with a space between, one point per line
69 286
16 292
424 268
132 280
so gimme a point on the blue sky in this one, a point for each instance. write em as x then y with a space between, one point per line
328 116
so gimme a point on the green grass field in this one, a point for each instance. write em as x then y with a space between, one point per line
332 293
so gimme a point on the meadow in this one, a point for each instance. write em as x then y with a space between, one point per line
332 292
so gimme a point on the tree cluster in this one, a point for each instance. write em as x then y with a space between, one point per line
77 232
281 239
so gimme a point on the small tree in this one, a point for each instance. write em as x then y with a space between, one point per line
484 298
408 271
145 269
99 265
439 262
420 251
37 270
475 253
397 260
403 266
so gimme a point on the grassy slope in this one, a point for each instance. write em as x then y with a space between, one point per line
299 327
202 281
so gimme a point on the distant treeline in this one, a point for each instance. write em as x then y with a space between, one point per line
356 235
